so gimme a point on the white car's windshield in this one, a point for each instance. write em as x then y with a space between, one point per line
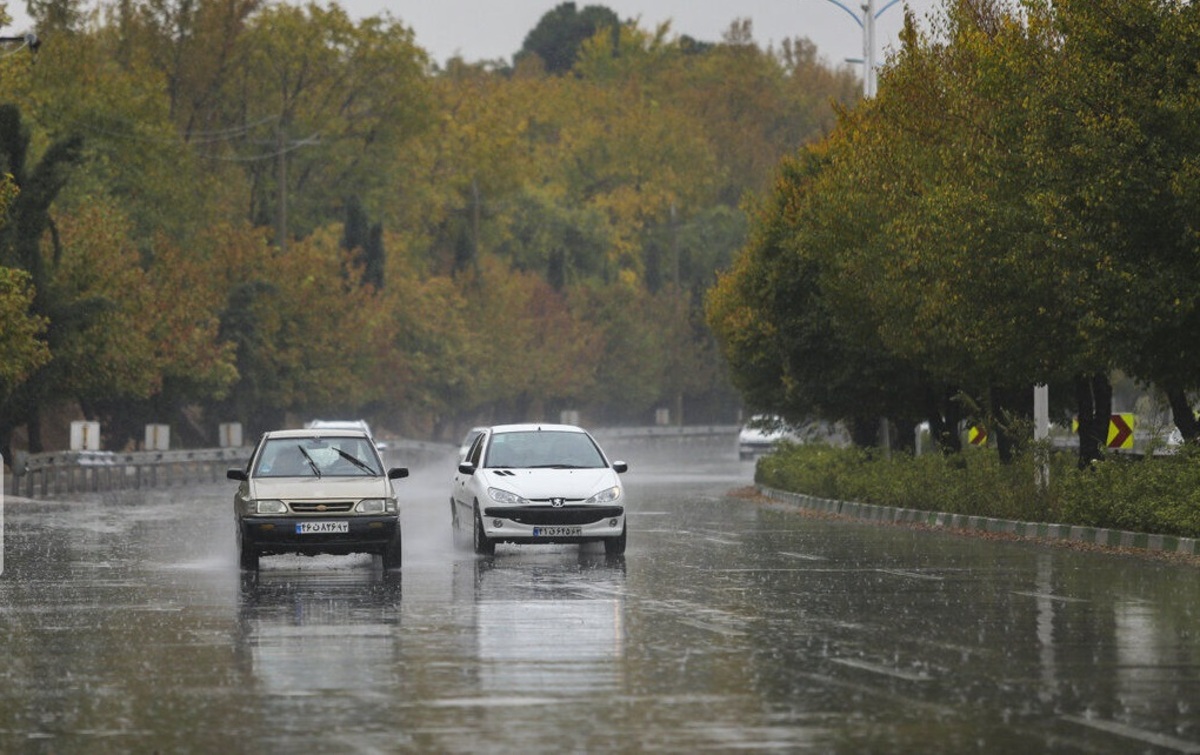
549 449
318 457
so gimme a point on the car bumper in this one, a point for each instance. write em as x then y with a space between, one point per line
365 534
755 449
546 524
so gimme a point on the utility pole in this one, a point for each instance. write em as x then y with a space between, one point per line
281 219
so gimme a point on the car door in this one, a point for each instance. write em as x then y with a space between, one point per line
464 491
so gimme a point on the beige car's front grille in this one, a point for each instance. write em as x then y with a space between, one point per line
322 507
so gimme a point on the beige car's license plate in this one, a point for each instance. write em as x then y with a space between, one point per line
322 528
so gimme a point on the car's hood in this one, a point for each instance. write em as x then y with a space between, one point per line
537 484
311 488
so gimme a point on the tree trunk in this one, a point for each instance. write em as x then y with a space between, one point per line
998 428
1009 406
906 436
864 431
945 414
1183 415
1093 395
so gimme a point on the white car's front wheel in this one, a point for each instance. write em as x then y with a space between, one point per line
484 546
615 546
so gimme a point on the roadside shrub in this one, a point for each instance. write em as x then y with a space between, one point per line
1160 494
1157 495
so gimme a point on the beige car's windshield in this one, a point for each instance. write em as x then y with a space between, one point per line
318 457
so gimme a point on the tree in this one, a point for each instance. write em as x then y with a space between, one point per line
365 242
22 349
303 335
790 352
1119 134
561 32
191 44
21 237
321 104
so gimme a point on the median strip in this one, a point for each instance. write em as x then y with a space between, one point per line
1185 546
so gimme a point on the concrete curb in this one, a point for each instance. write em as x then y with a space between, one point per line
1072 533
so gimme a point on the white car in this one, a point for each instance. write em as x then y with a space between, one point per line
467 440
345 424
761 435
538 484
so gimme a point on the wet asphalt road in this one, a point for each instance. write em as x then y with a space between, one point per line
729 625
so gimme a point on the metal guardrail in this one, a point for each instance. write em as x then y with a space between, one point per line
65 472
672 431
61 472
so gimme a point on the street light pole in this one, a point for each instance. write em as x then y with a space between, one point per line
867 23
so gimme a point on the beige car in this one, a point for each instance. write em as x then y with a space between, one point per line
316 491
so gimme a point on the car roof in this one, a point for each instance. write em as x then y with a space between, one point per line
534 427
319 432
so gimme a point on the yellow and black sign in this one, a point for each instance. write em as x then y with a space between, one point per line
1120 430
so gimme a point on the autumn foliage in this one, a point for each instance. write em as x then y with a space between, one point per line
526 239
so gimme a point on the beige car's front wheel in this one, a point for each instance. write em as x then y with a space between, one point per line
391 553
247 554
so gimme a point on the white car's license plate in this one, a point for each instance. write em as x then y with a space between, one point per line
558 531
321 528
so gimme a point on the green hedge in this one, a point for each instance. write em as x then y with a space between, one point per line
1159 495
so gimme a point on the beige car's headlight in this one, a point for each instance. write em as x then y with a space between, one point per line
375 506
269 506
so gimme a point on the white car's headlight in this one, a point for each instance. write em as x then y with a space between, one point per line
268 506
375 506
504 496
606 496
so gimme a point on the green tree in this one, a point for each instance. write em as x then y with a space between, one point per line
561 32
22 349
1118 134
303 335
321 104
27 221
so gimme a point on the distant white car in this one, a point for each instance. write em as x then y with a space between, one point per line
467 440
345 424
538 484
761 434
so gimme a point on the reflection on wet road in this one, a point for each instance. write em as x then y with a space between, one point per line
728 625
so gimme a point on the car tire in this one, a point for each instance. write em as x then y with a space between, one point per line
247 556
484 546
615 546
392 552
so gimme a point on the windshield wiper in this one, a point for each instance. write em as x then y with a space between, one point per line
559 466
355 461
310 461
